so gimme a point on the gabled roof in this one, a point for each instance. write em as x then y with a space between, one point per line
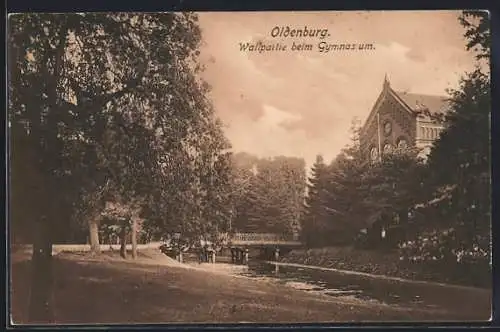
420 102
414 103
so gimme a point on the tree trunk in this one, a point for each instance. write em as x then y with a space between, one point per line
40 305
123 242
95 247
134 238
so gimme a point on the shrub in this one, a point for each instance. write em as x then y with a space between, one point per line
444 245
456 256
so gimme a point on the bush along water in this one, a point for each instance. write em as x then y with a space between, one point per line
438 256
445 254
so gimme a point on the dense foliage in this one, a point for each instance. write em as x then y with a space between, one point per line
109 107
267 194
351 195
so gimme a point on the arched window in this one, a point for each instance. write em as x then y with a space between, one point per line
402 143
387 128
387 148
373 154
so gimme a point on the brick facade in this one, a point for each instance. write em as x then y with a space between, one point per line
401 119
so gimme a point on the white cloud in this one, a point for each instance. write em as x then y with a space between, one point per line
274 116
395 51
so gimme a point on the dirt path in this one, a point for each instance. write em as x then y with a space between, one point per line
109 290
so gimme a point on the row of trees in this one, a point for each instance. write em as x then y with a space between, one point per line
268 193
350 194
449 193
109 107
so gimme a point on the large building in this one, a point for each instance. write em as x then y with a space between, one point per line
401 119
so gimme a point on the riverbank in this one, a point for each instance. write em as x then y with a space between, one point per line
106 289
386 264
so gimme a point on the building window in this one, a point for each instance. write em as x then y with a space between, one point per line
373 154
402 143
387 128
387 148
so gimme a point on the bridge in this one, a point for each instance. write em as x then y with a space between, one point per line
264 245
263 239
269 245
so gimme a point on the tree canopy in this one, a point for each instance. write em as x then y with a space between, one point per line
110 106
114 99
268 193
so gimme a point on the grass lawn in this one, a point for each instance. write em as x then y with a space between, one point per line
111 290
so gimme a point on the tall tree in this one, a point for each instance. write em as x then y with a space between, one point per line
316 217
460 159
104 98
459 162
347 191
243 166
396 186
293 193
280 186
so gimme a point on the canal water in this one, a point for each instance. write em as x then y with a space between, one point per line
472 302
334 284
456 299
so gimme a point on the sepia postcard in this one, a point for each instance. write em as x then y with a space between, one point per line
249 167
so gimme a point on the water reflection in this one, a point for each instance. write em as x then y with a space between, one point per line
337 284
466 302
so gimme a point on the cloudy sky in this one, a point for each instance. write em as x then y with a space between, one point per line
302 103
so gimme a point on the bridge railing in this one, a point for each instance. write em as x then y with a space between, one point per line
263 237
